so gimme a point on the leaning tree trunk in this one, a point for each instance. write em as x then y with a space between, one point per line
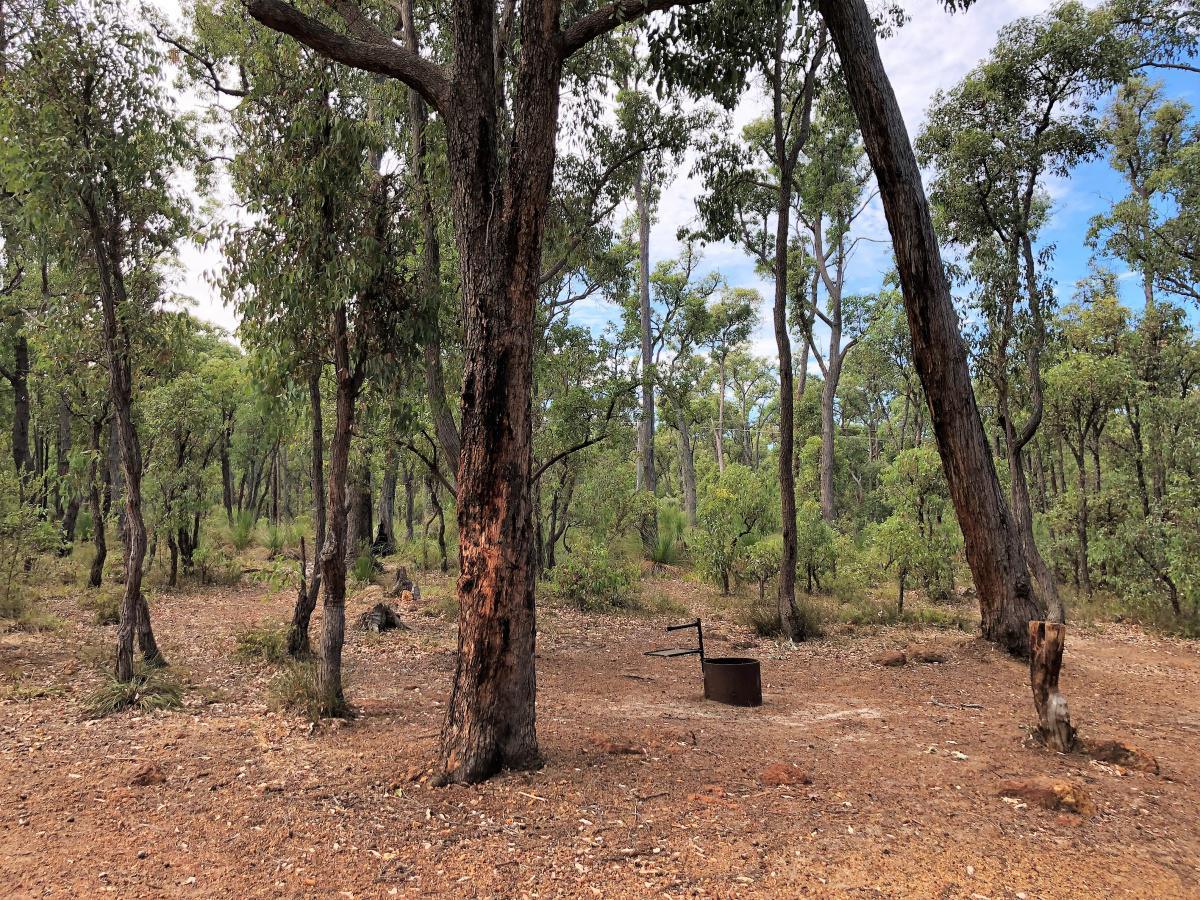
992 543
306 600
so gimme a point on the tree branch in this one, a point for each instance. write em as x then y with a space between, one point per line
423 76
609 17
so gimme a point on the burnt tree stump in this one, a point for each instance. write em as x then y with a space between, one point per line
380 617
1046 641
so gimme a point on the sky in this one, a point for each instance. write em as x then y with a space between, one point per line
931 52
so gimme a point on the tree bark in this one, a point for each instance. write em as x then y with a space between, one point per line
22 459
334 549
1046 641
135 615
306 601
687 466
646 481
992 543
385 539
99 539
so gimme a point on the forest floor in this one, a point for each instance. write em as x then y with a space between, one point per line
647 789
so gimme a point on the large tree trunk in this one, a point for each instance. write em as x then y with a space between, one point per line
358 525
993 545
306 601
490 722
649 523
385 539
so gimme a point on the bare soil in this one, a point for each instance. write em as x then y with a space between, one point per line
647 789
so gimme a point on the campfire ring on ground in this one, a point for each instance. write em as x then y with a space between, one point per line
733 680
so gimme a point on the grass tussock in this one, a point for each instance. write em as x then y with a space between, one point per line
297 689
149 689
267 642
105 605
763 616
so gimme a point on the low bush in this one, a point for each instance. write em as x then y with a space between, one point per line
105 604
763 616
592 582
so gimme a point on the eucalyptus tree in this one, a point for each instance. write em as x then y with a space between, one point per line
1024 115
316 269
95 145
497 90
713 49
1155 146
728 322
832 192
993 546
662 132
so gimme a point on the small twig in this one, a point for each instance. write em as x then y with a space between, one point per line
532 796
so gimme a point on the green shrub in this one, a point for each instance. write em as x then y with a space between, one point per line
363 570
592 582
275 539
148 690
267 642
734 509
670 533
763 561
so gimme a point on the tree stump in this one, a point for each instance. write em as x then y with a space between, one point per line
1046 641
380 617
404 583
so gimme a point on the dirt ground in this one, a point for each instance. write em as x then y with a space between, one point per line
905 766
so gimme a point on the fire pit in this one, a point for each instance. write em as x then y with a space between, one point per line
734 680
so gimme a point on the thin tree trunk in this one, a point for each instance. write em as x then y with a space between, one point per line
687 467
649 523
96 573
306 601
334 548
135 616
992 543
